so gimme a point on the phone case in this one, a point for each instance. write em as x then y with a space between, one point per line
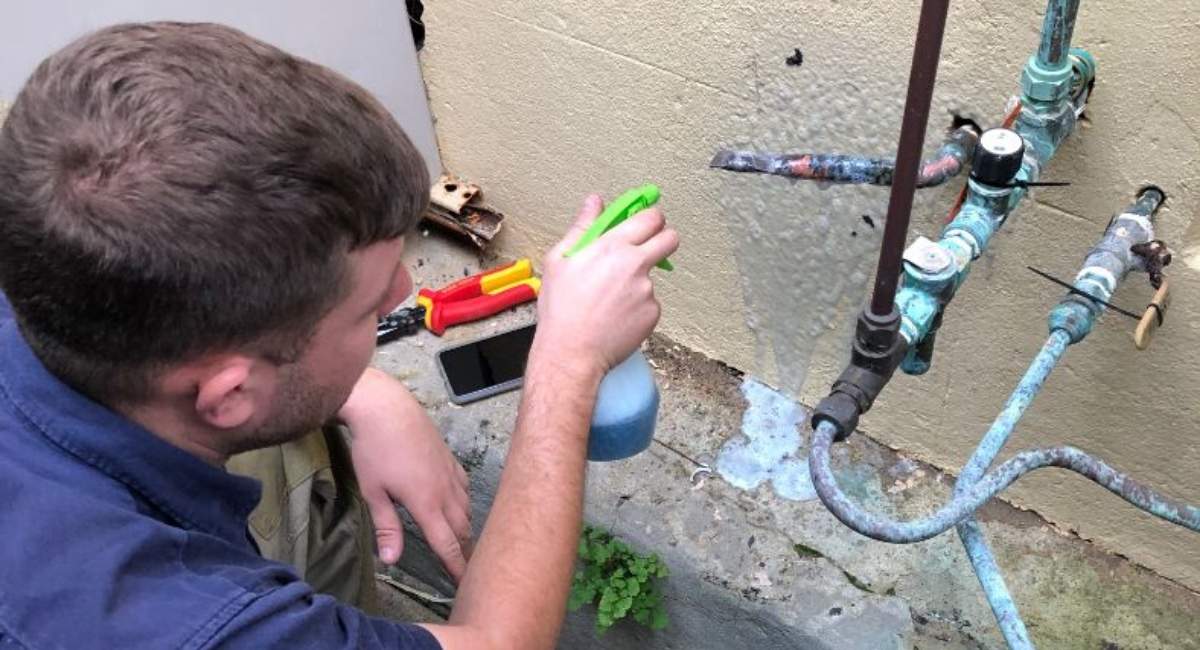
482 393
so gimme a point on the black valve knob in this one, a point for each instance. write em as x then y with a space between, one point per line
998 157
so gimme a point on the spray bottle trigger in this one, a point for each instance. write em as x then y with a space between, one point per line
625 206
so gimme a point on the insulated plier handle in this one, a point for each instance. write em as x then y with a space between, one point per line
479 296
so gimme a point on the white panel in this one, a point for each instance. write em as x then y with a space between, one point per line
367 40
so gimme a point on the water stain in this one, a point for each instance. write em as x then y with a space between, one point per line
770 447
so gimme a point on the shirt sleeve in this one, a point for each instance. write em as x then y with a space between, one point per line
293 616
5 309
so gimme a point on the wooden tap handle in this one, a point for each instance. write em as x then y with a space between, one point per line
1153 317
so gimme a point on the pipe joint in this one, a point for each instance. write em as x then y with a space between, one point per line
1075 315
931 274
1044 127
1045 83
973 227
877 351
1083 78
918 310
930 270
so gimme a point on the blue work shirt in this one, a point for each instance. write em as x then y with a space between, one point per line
110 537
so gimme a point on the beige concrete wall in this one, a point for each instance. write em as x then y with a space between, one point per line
544 100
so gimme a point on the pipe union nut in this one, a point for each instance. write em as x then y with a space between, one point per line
1045 84
1072 317
979 225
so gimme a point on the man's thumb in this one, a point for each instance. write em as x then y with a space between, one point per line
592 206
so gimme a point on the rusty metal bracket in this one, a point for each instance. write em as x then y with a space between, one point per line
456 206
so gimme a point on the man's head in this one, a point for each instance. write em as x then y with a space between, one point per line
190 218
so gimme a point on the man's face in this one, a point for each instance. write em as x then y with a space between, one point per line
311 390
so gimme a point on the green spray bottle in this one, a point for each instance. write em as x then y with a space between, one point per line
627 403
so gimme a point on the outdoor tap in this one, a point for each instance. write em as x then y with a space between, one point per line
1109 261
1155 257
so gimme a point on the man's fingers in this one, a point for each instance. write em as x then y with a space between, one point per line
389 534
659 247
462 498
460 523
592 206
445 544
640 227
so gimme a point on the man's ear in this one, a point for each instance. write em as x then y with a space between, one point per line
225 398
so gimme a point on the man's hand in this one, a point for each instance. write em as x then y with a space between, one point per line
593 312
597 307
400 458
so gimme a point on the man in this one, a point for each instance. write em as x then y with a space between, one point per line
198 233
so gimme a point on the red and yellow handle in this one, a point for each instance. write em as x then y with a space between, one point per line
479 296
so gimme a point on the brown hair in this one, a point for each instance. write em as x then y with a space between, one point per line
169 189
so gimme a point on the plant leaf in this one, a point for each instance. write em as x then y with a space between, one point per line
659 620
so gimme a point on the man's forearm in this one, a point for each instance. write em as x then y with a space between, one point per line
516 584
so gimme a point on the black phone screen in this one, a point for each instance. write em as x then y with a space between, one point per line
487 362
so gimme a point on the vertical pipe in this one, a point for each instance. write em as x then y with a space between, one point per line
921 79
969 531
994 588
1056 33
1020 399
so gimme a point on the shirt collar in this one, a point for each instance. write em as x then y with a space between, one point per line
195 494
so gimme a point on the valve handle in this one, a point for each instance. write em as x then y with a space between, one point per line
1153 317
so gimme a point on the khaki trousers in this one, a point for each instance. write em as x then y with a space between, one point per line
312 515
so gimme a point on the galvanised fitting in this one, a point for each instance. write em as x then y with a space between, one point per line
1043 84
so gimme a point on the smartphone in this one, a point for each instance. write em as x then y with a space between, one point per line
486 367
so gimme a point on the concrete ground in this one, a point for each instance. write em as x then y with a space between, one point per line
756 561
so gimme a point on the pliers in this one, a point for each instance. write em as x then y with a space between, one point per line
469 299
